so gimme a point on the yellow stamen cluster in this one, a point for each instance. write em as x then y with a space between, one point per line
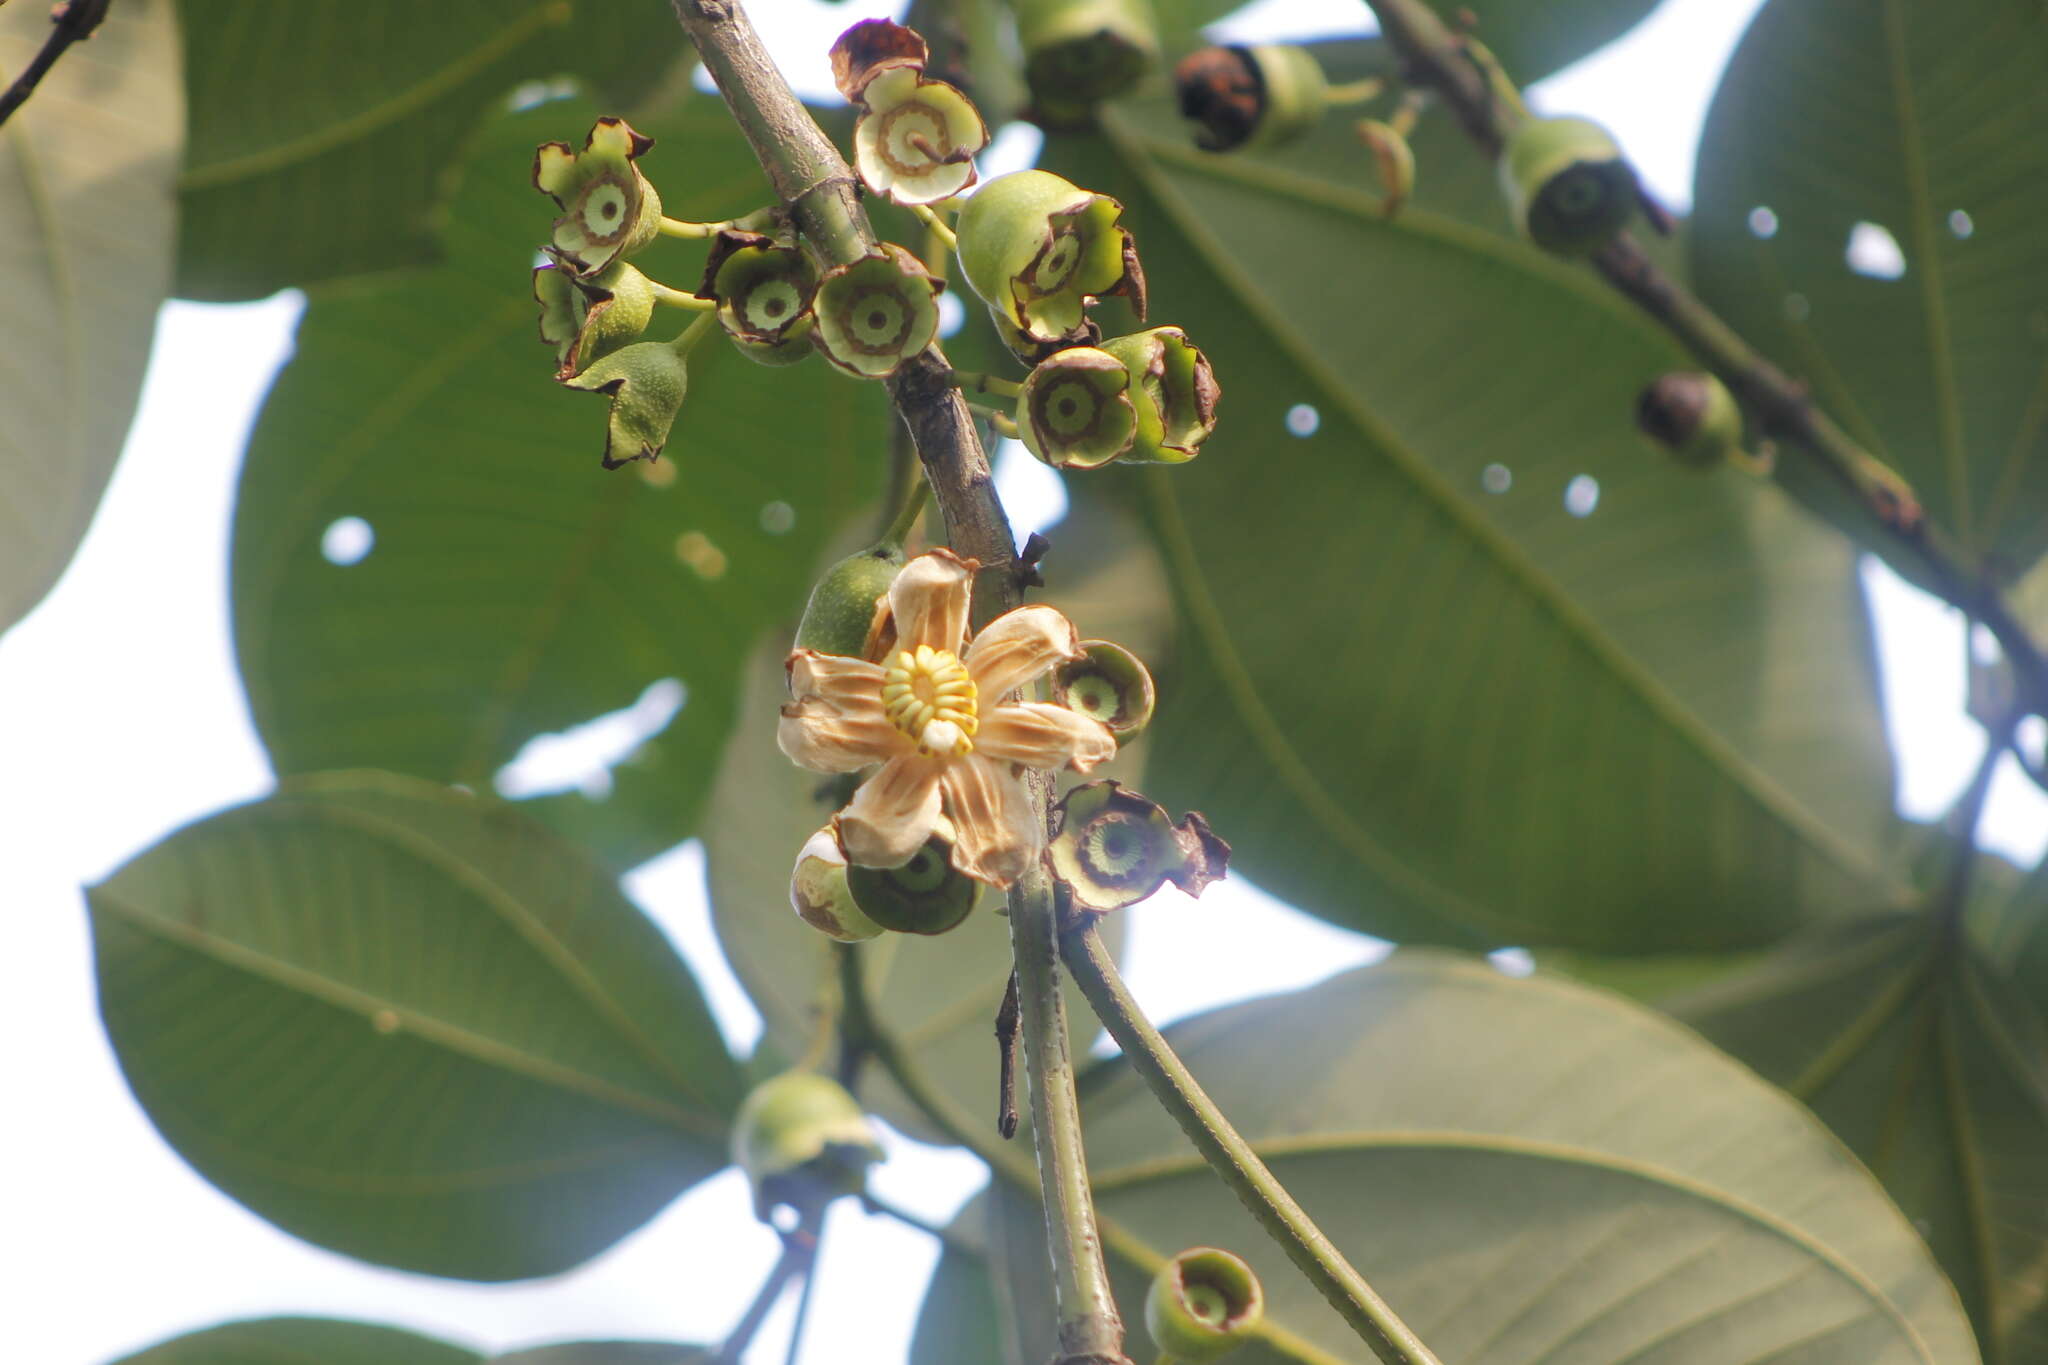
929 696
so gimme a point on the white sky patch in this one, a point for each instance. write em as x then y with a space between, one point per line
1293 21
582 757
1032 492
1873 251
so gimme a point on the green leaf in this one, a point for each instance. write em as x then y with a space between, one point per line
325 132
1897 114
515 587
937 996
410 1025
963 1319
302 1341
608 1353
1527 1170
1932 1070
88 218
1429 711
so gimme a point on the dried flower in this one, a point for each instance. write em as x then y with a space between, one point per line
933 716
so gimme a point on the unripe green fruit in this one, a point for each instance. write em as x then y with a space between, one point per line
926 895
1567 185
1079 52
803 1141
1036 248
841 612
1692 415
1203 1304
1109 684
819 894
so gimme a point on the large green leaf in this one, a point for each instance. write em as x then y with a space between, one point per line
937 996
324 132
1435 712
1936 1073
410 1025
1902 114
1527 1170
515 587
302 1341
88 217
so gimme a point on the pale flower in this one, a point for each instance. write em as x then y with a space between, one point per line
936 720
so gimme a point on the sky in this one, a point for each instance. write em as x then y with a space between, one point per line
130 722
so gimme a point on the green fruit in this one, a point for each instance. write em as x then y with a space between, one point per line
1079 52
1567 185
819 894
926 895
1203 1304
1109 684
841 612
1036 248
803 1141
1692 415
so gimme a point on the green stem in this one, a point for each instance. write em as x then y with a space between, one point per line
698 329
1232 1157
971 382
1889 518
677 227
682 298
1963 819
1354 92
906 516
936 226
799 1249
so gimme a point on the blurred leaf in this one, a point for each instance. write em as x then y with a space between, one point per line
1648 980
516 588
1838 113
412 1026
302 1341
1527 1171
608 1353
938 996
325 133
1430 711
1936 1074
962 1320
89 222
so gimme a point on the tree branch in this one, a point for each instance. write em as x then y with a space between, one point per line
1232 1158
70 22
822 198
1434 57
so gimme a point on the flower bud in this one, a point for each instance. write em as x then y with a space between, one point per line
803 1141
1203 1304
818 891
608 208
1113 848
1107 683
586 317
876 312
1080 52
764 293
1393 161
646 382
1691 414
1250 96
1173 390
1037 248
926 895
847 606
1568 188
1075 410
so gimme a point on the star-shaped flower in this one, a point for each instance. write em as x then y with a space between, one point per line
934 716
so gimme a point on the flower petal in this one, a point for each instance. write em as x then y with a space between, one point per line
996 833
826 740
893 813
839 680
1041 735
929 600
1017 647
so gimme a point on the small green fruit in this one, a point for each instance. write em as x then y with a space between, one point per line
1691 414
1173 390
841 616
1113 847
1567 185
876 312
1075 409
926 895
1036 248
609 209
646 382
1109 684
764 291
1080 52
588 317
1203 1304
1250 96
803 1141
819 894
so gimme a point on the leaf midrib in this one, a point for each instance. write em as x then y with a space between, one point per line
1136 151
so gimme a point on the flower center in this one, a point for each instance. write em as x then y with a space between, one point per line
1068 408
1055 265
903 129
604 209
876 321
771 305
928 695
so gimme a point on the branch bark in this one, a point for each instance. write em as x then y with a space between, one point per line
1433 56
70 22
822 197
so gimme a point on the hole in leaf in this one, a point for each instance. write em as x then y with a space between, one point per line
1763 223
581 758
777 518
1961 224
1496 478
1874 253
1582 495
1797 308
347 541
1303 420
